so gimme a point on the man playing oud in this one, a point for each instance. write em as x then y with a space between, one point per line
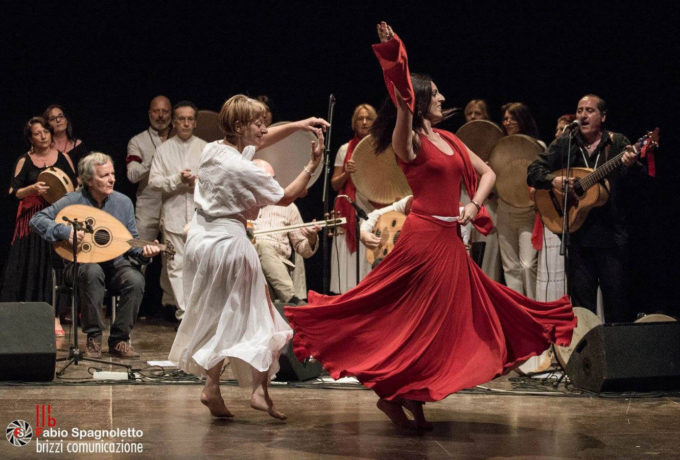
120 276
597 251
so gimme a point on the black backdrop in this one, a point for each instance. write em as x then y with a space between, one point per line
105 60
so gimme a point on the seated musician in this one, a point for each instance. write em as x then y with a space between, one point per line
275 249
369 239
597 251
120 275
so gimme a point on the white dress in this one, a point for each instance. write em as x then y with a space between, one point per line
343 263
228 314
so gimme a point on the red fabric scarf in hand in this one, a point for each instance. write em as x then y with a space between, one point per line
343 207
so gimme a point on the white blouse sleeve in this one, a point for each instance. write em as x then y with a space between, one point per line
373 216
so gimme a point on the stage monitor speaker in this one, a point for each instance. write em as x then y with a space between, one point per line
28 351
292 370
627 357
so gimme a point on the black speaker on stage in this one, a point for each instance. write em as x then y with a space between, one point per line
627 357
28 351
290 368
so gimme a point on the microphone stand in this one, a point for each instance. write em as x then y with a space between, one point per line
75 355
565 199
564 243
326 197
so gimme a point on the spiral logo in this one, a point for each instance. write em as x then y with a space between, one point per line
19 433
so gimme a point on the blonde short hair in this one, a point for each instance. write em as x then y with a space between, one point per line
86 165
239 109
355 116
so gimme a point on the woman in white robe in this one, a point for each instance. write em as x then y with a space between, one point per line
229 313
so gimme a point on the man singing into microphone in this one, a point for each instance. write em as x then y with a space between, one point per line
597 251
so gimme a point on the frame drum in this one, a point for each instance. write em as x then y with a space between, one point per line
289 155
480 136
207 127
378 176
510 159
59 182
587 320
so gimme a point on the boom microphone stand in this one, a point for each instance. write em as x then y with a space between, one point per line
74 353
326 198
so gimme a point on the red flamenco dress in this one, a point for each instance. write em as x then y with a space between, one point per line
427 322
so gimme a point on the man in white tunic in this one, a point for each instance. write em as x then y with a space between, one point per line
140 152
173 173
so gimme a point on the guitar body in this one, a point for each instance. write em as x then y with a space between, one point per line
109 240
387 228
549 203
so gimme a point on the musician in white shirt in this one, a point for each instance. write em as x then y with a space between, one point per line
285 277
173 173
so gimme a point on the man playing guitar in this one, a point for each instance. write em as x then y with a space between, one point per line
597 251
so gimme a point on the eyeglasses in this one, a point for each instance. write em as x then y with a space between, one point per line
58 118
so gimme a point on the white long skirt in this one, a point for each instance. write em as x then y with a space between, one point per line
228 314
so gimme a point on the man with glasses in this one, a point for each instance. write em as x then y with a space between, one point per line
173 173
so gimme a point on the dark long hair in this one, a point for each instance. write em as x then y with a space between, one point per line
384 125
69 127
521 113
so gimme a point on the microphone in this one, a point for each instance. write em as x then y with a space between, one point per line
360 212
574 124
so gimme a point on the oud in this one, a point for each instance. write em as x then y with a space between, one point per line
105 239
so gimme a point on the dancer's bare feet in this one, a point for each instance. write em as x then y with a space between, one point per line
214 402
396 414
416 408
259 401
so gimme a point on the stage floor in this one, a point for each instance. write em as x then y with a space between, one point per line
511 417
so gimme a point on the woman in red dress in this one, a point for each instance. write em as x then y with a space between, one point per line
427 322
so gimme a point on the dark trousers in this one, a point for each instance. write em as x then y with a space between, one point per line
604 267
93 281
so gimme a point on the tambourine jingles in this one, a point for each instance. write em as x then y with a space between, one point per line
510 159
289 156
207 126
480 136
58 181
378 177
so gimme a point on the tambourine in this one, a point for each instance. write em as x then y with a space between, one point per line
58 181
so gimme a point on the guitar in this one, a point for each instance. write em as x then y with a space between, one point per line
387 228
105 238
587 192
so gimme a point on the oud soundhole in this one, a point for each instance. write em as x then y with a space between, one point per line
102 237
85 247
90 221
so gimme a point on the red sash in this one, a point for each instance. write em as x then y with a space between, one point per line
343 207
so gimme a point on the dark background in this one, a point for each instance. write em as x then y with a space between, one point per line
105 60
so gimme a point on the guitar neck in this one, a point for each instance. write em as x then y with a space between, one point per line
136 243
602 172
322 224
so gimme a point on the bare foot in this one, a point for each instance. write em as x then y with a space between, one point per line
396 414
215 404
260 402
416 408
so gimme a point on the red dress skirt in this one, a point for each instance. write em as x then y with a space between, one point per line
427 321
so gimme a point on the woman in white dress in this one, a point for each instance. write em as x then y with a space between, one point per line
345 247
229 313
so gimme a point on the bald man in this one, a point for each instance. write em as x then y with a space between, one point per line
275 250
140 152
